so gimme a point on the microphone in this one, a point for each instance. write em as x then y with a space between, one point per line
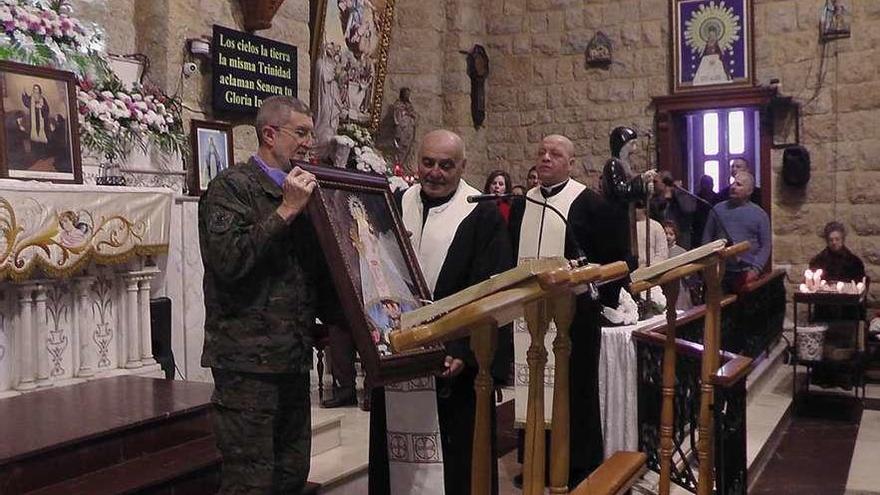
581 259
669 182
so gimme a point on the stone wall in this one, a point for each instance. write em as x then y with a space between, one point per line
160 28
425 55
836 82
539 84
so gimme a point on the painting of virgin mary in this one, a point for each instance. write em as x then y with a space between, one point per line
712 43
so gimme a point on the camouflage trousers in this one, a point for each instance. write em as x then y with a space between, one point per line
263 428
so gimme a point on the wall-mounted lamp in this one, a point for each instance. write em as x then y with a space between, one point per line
200 47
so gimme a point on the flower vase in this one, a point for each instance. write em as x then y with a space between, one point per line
341 153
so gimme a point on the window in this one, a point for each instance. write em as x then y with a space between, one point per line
715 137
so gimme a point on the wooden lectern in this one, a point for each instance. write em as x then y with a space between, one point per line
541 290
708 260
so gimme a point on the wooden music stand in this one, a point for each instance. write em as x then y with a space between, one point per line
541 290
708 260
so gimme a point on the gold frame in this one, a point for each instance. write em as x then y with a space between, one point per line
385 23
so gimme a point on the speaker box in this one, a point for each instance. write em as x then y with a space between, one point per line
160 329
796 166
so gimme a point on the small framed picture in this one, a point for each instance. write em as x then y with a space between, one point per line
40 137
211 153
373 268
711 44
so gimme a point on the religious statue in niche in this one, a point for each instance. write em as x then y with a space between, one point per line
478 71
599 51
405 119
835 20
712 43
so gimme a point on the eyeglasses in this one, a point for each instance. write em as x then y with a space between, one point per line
299 132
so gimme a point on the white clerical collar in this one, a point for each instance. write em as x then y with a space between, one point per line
549 191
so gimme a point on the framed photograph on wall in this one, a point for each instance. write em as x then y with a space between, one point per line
373 267
711 44
211 153
349 53
40 137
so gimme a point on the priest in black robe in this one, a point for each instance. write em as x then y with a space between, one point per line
598 229
458 244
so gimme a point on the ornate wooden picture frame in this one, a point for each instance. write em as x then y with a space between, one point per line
212 152
373 267
40 126
349 53
711 44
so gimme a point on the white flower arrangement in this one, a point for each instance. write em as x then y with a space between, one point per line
112 118
42 32
368 160
365 157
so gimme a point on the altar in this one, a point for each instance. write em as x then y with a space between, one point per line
618 394
77 264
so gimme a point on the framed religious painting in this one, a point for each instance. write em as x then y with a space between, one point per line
349 52
211 153
711 44
373 268
40 135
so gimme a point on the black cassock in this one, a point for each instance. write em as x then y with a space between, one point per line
480 248
601 229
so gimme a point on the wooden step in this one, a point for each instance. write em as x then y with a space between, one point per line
60 434
148 472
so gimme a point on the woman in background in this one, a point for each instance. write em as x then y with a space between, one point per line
498 183
838 263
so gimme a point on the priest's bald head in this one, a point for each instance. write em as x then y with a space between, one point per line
441 163
555 158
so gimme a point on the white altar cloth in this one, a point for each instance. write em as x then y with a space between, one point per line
60 228
618 395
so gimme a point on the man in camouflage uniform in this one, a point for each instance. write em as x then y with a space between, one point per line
261 298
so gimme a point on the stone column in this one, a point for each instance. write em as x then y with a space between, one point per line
132 329
25 338
145 321
84 323
41 336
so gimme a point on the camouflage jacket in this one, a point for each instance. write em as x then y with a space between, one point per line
262 276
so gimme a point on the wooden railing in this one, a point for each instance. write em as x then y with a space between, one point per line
729 410
752 325
550 296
